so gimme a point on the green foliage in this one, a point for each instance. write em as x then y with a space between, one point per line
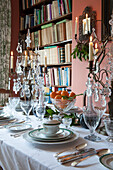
81 50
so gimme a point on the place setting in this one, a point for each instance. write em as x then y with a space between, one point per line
51 133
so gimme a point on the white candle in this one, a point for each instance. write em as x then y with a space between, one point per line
87 23
90 49
45 61
96 49
84 26
76 26
25 59
11 59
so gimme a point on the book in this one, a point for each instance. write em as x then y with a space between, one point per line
62 55
59 7
70 5
46 26
69 29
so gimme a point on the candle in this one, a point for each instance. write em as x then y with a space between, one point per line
76 25
96 49
84 26
25 58
45 61
90 49
87 23
11 60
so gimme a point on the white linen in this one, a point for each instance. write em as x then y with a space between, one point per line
19 154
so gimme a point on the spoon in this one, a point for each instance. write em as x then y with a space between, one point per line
99 152
78 147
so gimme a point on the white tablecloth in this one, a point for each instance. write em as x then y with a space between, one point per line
19 154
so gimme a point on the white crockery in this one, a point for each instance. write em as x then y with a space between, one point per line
51 127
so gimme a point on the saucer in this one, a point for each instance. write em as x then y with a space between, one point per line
54 134
38 135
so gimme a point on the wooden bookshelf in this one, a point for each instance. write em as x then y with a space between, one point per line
58 65
38 27
30 11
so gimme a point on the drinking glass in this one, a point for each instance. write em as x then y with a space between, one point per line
13 102
26 107
40 111
109 129
67 122
92 120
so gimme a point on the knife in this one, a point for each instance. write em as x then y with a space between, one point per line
77 157
78 147
82 151
100 152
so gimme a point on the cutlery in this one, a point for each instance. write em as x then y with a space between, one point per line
98 152
76 157
82 151
78 147
20 133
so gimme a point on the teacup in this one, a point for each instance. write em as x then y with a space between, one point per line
51 127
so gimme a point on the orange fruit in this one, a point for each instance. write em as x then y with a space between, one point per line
58 92
58 97
53 94
72 94
65 93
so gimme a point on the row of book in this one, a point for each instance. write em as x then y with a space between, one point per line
56 54
52 10
59 76
52 33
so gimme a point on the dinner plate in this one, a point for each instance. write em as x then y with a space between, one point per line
6 119
38 134
107 160
29 139
18 127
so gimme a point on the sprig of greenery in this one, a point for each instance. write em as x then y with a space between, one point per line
71 98
81 50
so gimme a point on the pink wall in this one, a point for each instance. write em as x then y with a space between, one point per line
79 71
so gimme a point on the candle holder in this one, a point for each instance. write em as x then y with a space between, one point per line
91 21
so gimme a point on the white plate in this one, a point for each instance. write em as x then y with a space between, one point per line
107 160
38 134
29 139
18 127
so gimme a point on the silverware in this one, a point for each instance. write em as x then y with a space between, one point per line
76 157
78 147
99 152
20 133
77 153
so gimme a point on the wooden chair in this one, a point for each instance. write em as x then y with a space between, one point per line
4 91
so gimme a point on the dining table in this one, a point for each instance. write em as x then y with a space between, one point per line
18 153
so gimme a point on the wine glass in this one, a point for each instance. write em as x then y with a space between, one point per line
67 122
13 102
40 111
92 119
109 129
26 107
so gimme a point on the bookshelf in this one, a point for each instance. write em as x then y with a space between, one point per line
55 23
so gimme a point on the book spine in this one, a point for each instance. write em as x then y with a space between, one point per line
70 5
39 16
62 55
50 11
59 7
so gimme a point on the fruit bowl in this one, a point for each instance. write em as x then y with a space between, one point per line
63 105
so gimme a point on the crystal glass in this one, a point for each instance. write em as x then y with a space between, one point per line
40 111
109 129
26 107
67 122
63 105
13 102
92 119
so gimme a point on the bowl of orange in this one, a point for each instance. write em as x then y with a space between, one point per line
63 101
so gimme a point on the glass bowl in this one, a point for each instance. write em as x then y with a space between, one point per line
63 105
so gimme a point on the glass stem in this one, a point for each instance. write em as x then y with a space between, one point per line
92 132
